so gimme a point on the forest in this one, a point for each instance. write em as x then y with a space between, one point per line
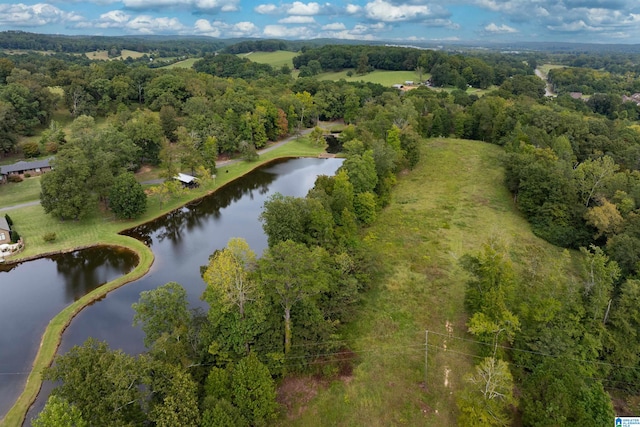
556 346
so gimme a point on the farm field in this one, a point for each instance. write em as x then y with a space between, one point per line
187 63
545 68
450 205
276 59
103 55
385 78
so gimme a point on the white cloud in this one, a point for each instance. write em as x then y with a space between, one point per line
335 26
281 31
204 27
22 15
358 32
353 9
296 19
499 29
266 9
202 5
111 19
299 8
146 24
381 10
224 29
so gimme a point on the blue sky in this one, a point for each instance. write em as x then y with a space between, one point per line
594 21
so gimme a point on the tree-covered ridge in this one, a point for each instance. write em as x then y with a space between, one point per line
446 69
161 45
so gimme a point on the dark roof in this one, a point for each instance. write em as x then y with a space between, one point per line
4 225
25 166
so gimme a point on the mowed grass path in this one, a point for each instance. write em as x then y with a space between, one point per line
451 204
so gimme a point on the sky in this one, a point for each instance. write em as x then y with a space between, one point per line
401 21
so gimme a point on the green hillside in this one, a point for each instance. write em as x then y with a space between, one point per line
276 59
385 78
451 204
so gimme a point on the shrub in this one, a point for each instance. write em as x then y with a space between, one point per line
27 175
14 178
9 220
31 149
49 237
14 236
51 147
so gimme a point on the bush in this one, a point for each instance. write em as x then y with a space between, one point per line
9 220
49 237
14 178
15 237
31 149
27 175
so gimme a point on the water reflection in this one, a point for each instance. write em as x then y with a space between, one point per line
182 241
191 217
33 292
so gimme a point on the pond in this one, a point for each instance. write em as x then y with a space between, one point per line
33 292
182 242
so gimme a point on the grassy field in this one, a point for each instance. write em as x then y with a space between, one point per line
20 192
451 204
101 228
545 68
385 78
276 59
187 63
104 55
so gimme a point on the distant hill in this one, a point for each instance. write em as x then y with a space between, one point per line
175 45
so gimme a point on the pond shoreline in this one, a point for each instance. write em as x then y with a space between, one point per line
52 336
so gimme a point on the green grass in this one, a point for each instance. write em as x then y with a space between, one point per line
451 204
545 68
101 228
104 55
15 193
187 63
385 78
276 59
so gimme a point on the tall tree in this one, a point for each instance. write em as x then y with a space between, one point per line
64 193
127 199
292 273
234 297
103 384
169 326
487 396
58 412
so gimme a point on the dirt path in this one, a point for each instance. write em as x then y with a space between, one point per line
21 205
547 89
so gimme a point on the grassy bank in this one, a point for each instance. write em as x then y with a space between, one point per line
451 204
32 223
